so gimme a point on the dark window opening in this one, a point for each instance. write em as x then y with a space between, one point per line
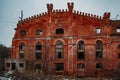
119 46
59 66
99 54
38 55
99 66
81 66
21 65
81 56
13 66
60 31
81 45
118 29
22 33
59 49
59 55
99 44
38 46
119 55
38 66
22 46
21 55
7 64
98 30
39 32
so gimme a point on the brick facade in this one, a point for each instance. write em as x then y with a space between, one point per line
68 42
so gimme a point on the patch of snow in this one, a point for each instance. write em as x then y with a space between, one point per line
4 78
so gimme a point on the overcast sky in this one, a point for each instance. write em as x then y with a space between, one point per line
10 12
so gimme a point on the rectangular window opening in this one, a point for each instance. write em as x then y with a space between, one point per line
81 56
21 65
118 29
38 55
99 66
21 55
7 64
59 66
99 54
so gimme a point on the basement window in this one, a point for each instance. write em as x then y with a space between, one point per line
39 32
98 30
81 66
22 33
59 31
7 64
59 66
99 66
21 65
118 29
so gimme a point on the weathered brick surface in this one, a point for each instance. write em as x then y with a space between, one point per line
78 26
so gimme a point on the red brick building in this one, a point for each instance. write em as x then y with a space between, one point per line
67 42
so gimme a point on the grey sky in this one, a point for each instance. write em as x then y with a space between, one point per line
10 11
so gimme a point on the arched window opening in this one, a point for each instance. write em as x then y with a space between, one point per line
59 49
99 50
38 51
81 50
59 31
21 50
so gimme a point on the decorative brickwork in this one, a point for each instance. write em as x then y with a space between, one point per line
71 43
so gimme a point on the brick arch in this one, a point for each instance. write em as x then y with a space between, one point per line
59 40
80 40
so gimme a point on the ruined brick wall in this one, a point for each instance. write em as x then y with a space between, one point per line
77 26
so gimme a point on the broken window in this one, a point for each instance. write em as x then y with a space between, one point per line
99 50
38 51
22 33
39 32
22 46
59 49
99 66
21 65
59 31
21 50
38 66
81 66
98 30
59 66
81 50
7 64
118 29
